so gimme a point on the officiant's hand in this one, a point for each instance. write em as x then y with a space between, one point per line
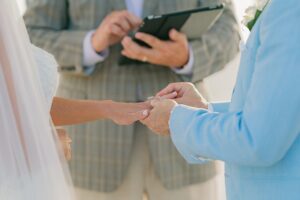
173 53
187 94
65 142
113 28
128 113
158 120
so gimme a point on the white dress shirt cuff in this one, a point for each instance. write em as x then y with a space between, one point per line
90 56
188 68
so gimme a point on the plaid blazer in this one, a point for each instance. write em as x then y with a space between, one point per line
102 149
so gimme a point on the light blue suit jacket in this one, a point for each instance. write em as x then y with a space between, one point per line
257 134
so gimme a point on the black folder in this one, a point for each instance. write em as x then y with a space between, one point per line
192 22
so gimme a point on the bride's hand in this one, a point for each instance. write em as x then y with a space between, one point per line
65 142
128 113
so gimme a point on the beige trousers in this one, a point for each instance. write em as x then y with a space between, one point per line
142 183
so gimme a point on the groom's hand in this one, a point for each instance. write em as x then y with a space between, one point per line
158 120
113 28
173 53
187 94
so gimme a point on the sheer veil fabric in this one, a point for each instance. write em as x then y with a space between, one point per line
31 165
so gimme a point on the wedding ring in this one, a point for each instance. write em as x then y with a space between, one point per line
144 59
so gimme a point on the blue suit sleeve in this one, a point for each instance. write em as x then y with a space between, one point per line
220 107
265 129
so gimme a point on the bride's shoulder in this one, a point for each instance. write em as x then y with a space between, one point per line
43 57
47 69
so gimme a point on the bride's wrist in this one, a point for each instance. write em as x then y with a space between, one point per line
108 108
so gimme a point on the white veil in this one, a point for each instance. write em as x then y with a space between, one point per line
31 167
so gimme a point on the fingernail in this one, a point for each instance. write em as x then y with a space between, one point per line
137 35
145 113
154 101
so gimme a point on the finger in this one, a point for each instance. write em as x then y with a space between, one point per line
62 136
155 102
140 115
135 51
133 19
68 139
149 39
117 30
176 36
150 121
68 154
67 150
124 24
143 114
172 87
65 138
146 121
128 52
181 101
172 95
60 130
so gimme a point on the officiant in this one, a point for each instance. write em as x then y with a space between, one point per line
88 37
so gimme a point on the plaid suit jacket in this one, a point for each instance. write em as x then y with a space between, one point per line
102 149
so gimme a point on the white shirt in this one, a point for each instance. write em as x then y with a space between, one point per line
91 57
135 7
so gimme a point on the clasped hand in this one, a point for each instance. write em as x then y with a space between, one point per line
164 102
173 53
155 113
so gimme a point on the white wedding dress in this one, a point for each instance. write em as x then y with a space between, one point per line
48 73
31 165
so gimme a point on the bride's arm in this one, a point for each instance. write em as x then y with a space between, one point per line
70 111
